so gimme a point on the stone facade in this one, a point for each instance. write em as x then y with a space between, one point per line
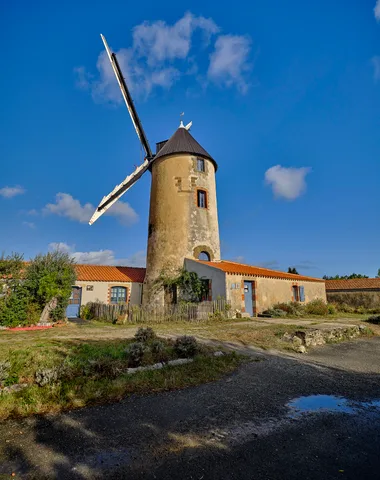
178 228
100 291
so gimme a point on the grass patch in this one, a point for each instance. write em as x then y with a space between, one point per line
88 372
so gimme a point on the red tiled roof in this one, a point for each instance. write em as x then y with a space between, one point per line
353 284
108 273
240 268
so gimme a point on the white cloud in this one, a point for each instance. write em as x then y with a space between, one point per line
376 10
287 183
32 212
376 64
100 257
269 264
158 42
9 192
229 61
69 207
161 53
29 224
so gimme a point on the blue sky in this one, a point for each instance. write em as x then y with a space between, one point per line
284 95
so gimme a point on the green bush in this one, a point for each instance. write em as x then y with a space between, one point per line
317 307
145 335
275 312
294 309
331 309
86 312
14 307
186 346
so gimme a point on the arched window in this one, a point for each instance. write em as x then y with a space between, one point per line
204 256
118 295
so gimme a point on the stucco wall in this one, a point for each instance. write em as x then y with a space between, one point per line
177 227
273 290
217 277
101 291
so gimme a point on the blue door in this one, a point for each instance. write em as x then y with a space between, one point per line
248 298
73 308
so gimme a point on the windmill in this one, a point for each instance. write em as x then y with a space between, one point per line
127 183
183 213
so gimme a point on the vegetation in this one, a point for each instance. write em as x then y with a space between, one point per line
375 319
293 270
189 286
345 277
61 374
28 289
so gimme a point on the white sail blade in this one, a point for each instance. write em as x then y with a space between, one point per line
118 191
128 99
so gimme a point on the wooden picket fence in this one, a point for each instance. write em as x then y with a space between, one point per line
136 314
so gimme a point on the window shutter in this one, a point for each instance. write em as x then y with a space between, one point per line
302 294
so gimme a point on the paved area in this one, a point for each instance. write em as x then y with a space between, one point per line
276 418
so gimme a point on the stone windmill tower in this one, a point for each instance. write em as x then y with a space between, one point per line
183 218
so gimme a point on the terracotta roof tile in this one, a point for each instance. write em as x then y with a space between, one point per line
353 284
240 268
108 273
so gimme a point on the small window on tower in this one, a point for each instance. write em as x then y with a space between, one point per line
202 199
200 165
204 256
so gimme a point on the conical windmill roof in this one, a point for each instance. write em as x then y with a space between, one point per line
183 142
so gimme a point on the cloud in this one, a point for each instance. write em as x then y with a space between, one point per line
305 265
376 64
376 10
67 206
32 212
100 257
10 192
158 42
229 61
287 183
29 224
162 53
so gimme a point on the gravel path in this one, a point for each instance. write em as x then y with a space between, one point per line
241 427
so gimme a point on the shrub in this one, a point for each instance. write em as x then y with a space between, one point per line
291 308
275 312
375 319
14 307
331 309
159 352
135 352
86 312
186 346
4 370
317 307
47 376
145 334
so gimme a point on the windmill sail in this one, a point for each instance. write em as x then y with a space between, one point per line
128 100
119 190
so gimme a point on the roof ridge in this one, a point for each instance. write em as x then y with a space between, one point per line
266 268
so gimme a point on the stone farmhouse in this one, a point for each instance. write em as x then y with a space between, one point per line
249 289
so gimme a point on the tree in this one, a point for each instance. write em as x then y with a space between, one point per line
49 279
345 277
378 273
293 270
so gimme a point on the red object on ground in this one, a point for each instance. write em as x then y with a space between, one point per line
35 327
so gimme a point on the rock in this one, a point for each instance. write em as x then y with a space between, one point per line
14 388
297 341
287 337
180 361
300 349
218 354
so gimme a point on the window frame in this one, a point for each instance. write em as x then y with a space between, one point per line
199 193
118 297
203 163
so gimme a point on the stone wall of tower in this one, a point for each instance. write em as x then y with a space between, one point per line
178 228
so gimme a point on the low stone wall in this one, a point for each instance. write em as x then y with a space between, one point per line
315 337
